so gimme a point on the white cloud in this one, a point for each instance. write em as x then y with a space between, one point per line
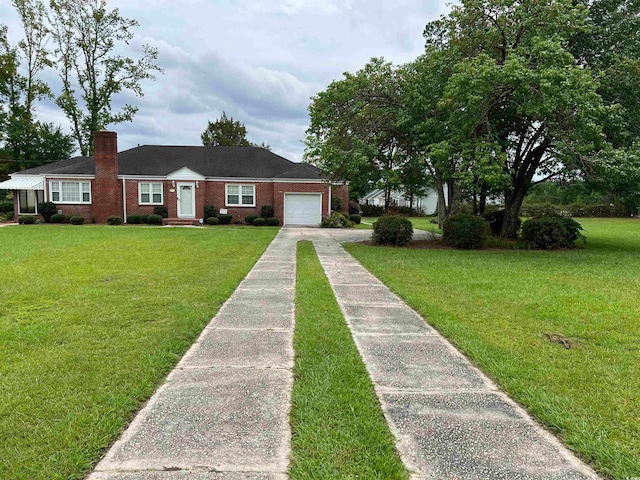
258 61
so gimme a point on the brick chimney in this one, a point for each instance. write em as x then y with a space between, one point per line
106 191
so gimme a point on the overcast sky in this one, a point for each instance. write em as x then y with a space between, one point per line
261 62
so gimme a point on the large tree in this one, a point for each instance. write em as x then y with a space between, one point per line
226 131
87 35
355 131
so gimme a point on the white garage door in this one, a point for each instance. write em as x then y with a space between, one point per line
302 209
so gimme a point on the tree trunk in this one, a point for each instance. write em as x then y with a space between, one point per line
442 201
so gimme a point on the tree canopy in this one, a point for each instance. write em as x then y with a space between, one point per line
226 131
507 94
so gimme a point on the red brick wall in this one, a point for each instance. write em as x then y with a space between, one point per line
83 210
343 193
106 188
215 195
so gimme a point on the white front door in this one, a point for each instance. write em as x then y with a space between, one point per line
186 200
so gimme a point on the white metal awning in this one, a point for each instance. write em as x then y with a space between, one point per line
23 183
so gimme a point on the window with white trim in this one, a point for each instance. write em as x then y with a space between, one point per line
70 192
240 195
28 201
150 193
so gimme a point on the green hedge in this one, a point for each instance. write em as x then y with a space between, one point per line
392 230
465 231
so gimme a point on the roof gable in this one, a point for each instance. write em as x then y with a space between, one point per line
185 173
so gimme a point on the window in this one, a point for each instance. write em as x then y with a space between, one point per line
70 192
150 193
28 200
241 195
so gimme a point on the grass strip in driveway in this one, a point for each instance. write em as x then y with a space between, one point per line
338 427
92 319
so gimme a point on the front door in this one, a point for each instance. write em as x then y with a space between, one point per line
186 200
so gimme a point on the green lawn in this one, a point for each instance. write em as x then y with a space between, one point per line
339 431
92 319
422 223
497 307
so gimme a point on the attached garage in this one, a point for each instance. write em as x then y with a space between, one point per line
302 208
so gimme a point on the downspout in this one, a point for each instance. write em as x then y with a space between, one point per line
124 199
329 206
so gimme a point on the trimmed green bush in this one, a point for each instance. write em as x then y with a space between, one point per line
57 218
114 220
249 219
209 211
76 220
273 222
144 218
336 220
392 230
6 207
225 219
46 209
266 211
161 210
134 219
336 204
496 219
26 219
154 219
355 218
260 222
372 210
212 221
67 219
465 231
551 232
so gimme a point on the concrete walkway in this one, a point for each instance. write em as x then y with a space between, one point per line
450 421
223 413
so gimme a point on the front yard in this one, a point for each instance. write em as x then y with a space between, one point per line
503 309
92 319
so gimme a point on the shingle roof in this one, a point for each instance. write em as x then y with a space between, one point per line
225 162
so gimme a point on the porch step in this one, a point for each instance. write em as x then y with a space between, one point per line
180 221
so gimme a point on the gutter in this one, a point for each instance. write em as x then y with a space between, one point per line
124 199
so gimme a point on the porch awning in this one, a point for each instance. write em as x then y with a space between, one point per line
23 183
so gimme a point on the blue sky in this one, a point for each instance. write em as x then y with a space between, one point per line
258 61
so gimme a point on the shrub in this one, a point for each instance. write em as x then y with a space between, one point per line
9 216
392 230
154 219
46 209
76 220
355 218
209 211
336 204
67 218
259 222
114 220
134 219
354 208
336 220
266 211
225 219
273 222
26 219
249 219
144 218
551 232
6 207
212 221
496 219
541 210
465 231
372 210
57 218
408 211
161 210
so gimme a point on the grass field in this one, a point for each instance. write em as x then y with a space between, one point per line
92 318
499 307
338 428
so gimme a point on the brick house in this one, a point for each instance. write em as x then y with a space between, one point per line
238 180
